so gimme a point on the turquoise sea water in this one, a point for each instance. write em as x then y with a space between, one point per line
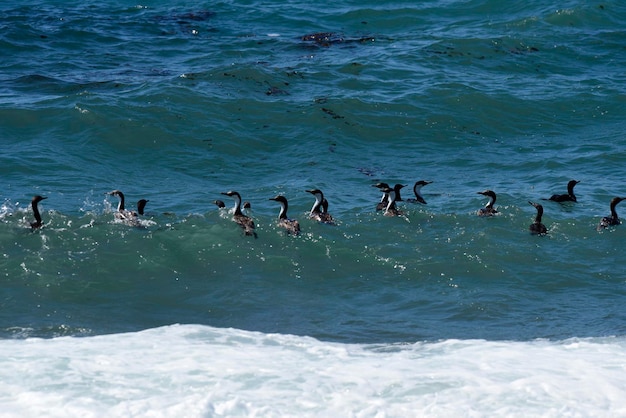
176 102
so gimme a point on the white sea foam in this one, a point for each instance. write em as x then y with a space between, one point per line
198 371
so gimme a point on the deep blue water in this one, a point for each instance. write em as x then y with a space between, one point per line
178 102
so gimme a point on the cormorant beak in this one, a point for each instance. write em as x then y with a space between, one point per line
44 197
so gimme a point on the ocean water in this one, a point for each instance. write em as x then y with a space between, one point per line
434 313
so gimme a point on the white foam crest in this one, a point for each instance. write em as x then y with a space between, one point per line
199 371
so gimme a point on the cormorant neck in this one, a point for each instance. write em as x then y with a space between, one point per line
237 208
614 210
317 204
570 189
141 205
396 190
36 213
120 206
392 200
316 207
283 211
539 215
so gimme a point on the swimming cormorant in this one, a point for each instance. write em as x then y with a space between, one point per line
34 203
391 209
612 219
417 187
537 228
128 217
569 197
316 213
246 223
384 199
291 225
488 210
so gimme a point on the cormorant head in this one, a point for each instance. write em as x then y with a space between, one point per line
279 198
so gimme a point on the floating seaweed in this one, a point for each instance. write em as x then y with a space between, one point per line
326 39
